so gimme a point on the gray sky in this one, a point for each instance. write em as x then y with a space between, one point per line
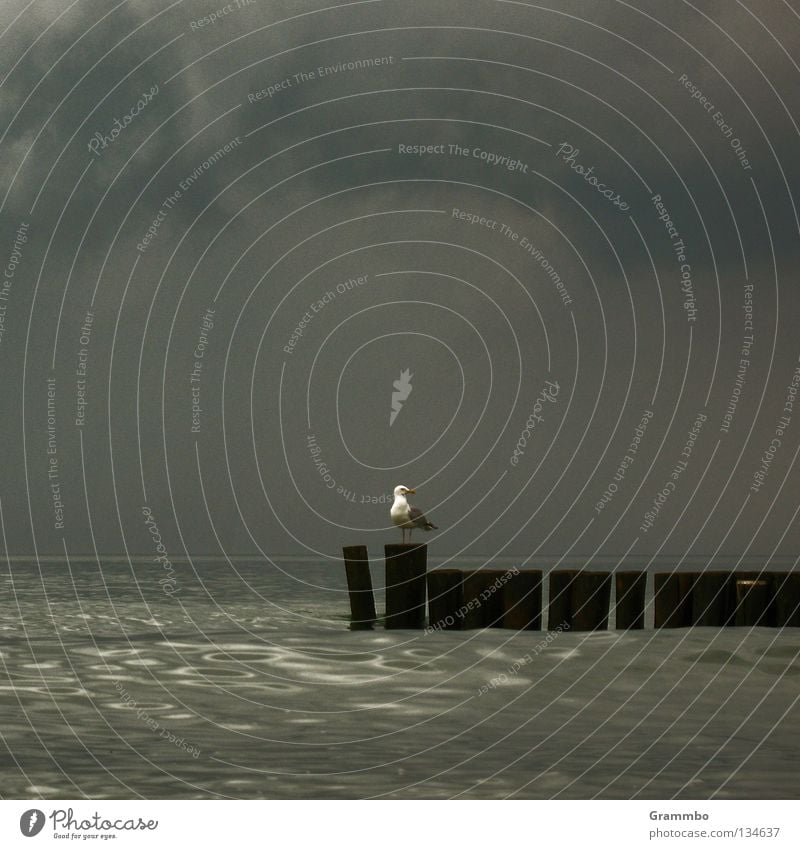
555 124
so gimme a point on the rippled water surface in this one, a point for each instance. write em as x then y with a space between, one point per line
247 683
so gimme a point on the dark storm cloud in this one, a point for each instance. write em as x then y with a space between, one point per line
608 86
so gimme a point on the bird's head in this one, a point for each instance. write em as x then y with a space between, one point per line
403 490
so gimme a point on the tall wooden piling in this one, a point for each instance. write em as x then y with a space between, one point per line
359 587
711 599
445 599
483 598
787 599
753 599
672 593
522 601
590 600
630 600
471 613
579 600
559 607
406 567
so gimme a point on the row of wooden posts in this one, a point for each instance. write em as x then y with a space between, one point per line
579 599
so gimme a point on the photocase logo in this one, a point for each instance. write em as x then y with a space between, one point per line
402 391
31 822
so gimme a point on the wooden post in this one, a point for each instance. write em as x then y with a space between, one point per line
522 601
406 567
559 609
471 613
630 600
673 599
483 598
359 587
589 602
754 598
711 599
445 599
787 599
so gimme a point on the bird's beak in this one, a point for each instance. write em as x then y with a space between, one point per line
412 491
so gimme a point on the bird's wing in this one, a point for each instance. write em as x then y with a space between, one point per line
416 514
418 519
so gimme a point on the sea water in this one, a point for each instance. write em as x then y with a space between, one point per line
247 683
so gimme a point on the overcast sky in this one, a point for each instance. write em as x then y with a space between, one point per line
227 230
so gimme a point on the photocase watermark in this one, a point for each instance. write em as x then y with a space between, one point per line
530 248
679 249
10 272
206 326
317 306
569 155
318 73
487 157
549 395
514 668
217 15
323 470
153 724
183 186
671 484
82 367
100 141
33 821
473 603
475 219
719 119
744 362
402 389
782 425
53 467
168 582
626 462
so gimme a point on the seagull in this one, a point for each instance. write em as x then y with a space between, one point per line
406 517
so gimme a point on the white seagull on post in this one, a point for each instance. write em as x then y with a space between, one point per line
406 517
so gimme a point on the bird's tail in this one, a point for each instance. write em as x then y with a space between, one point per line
429 526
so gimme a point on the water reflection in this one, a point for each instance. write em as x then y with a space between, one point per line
110 689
